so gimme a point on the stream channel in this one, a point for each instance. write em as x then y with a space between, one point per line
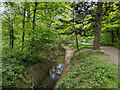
53 74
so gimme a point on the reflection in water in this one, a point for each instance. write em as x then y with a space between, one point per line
51 77
56 72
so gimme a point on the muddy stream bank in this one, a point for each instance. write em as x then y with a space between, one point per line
46 76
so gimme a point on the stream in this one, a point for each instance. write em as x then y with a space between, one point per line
53 74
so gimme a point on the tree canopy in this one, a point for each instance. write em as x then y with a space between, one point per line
31 31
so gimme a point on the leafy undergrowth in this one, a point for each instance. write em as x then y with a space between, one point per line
117 45
88 71
15 61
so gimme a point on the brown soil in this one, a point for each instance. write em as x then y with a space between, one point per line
69 53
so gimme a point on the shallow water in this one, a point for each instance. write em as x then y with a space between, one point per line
52 75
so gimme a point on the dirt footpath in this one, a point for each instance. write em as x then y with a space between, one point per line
111 51
69 53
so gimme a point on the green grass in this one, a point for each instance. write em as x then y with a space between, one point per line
81 46
88 71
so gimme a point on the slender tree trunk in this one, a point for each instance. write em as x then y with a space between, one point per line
11 36
23 29
12 32
34 20
112 36
75 33
52 20
97 33
28 18
28 12
118 34
76 41
49 24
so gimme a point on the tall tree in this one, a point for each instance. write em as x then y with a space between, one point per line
28 17
33 29
79 12
23 36
75 32
97 33
110 23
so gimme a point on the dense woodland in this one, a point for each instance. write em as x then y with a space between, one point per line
32 31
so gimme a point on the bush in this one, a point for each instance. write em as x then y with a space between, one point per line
14 62
89 39
71 45
117 45
12 67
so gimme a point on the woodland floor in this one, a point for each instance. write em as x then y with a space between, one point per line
111 53
110 56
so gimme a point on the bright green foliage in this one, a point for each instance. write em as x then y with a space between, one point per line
31 45
110 24
12 66
81 46
111 20
110 33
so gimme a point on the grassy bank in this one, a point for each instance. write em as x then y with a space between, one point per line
89 71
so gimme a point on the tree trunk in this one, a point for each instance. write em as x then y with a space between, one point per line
34 20
118 34
23 29
75 33
112 36
28 11
12 32
28 18
97 33
11 36
76 41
